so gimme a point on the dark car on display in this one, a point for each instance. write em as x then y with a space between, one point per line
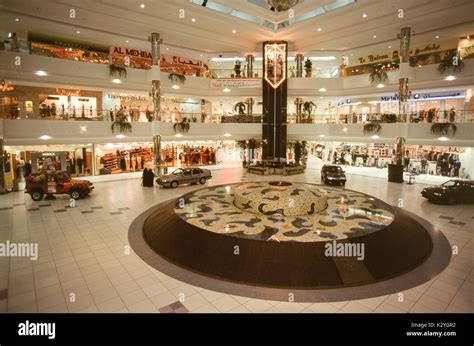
183 176
451 192
333 175
53 183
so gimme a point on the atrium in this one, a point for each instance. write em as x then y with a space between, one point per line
237 156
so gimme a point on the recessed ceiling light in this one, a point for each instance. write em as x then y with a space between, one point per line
364 15
380 85
167 49
178 135
175 86
389 47
437 36
322 48
17 20
83 128
226 90
193 20
450 77
322 136
375 36
78 32
142 5
375 137
116 81
227 135
41 73
344 129
120 136
322 89
319 29
468 37
126 41
201 55
443 139
234 31
352 54
45 137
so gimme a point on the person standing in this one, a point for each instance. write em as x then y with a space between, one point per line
148 177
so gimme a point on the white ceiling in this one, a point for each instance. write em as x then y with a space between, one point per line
112 22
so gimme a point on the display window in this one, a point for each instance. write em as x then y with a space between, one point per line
9 107
188 154
122 157
69 53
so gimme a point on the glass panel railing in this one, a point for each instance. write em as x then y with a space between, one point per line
232 73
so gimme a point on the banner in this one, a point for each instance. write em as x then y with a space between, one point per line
236 83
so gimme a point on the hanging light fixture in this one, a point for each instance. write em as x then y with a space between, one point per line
281 5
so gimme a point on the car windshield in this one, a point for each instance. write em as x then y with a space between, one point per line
449 183
178 171
334 169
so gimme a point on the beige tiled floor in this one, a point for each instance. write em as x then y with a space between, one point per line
87 256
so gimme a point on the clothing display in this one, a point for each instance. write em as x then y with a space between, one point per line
122 161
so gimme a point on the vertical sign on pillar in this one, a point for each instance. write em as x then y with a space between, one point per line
156 153
274 93
249 61
155 72
299 65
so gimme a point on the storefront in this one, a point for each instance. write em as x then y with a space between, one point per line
122 157
195 153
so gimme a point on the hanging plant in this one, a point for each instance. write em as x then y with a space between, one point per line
443 129
372 128
237 66
121 127
176 77
378 75
240 107
451 62
182 127
308 107
308 67
117 71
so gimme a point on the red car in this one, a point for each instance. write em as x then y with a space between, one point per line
40 184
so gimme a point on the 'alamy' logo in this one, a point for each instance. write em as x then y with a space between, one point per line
37 329
8 249
335 249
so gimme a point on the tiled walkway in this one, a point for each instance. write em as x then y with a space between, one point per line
86 265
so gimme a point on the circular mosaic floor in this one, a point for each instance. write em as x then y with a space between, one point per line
367 247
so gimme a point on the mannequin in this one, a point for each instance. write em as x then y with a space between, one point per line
134 163
139 163
127 162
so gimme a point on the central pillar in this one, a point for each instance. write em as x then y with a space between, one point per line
274 92
299 58
404 64
155 72
249 59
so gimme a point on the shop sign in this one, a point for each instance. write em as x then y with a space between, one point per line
48 154
177 60
130 53
67 92
424 96
236 83
129 97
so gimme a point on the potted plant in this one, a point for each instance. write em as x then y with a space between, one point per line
308 67
176 77
372 128
308 109
237 66
121 126
240 107
379 75
117 71
182 127
443 129
451 62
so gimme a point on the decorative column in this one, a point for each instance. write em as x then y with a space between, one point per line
299 58
2 166
274 95
249 59
157 154
404 37
155 74
299 106
250 102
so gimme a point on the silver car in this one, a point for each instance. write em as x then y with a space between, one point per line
182 176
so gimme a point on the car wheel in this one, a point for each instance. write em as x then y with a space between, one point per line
202 180
451 200
75 194
37 195
174 184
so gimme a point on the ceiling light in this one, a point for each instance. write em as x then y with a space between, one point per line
437 36
389 47
443 139
375 137
178 135
450 77
319 29
120 136
41 73
344 129
83 128
364 15
78 32
322 89
142 5
227 135
175 86
322 48
116 81
322 136
193 20
380 85
468 37
17 20
375 36
234 31
126 41
45 137
226 90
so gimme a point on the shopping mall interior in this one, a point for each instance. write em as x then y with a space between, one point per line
325 125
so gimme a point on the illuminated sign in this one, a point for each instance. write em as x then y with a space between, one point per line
275 63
